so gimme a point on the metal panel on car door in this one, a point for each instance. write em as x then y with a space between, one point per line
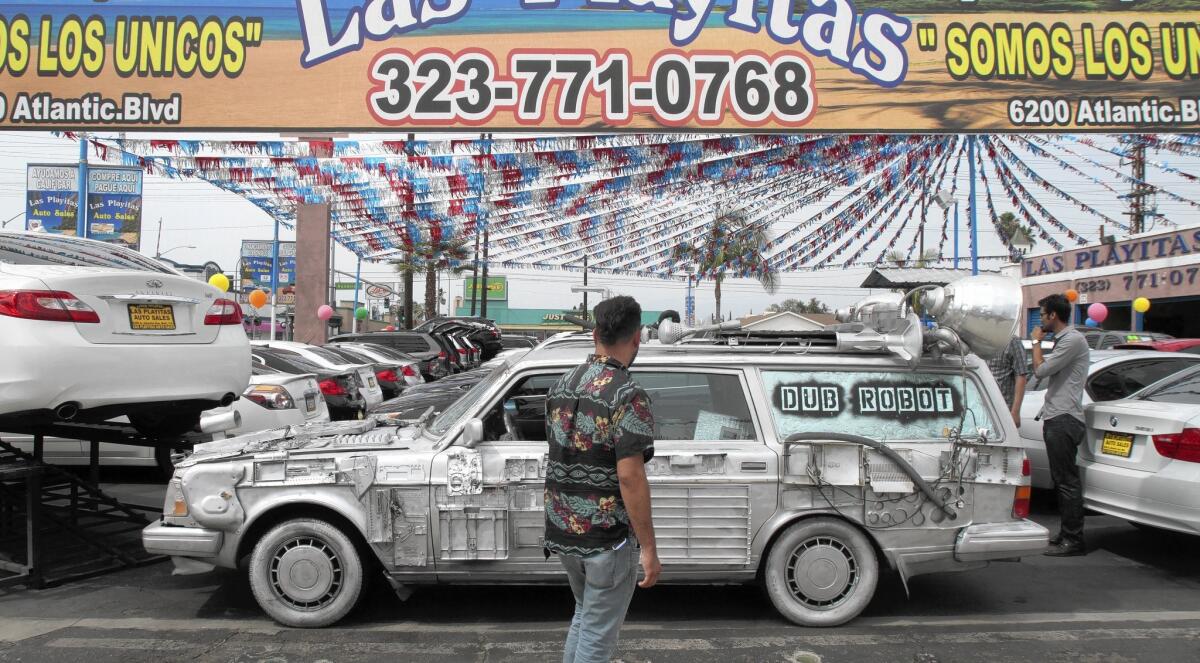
709 495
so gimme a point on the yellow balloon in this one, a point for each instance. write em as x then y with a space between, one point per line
220 282
1141 304
258 299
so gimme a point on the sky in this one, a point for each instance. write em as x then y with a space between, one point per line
200 223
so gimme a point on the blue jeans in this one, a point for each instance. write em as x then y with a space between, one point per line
603 586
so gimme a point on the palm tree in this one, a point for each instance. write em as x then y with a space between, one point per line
729 238
431 257
900 258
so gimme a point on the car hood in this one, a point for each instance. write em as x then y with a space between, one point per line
332 436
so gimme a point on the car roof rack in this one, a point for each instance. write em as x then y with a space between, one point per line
976 314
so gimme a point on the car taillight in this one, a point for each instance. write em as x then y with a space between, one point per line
408 371
270 396
50 305
1021 499
223 312
1183 446
387 376
462 351
442 355
331 388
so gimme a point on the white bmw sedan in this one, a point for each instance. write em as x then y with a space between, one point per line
1112 374
93 331
1141 460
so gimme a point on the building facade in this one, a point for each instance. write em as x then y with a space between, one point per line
1162 267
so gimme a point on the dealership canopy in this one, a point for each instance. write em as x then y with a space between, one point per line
627 201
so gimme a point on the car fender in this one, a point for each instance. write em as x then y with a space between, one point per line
337 498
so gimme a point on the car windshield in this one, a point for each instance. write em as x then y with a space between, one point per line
385 351
348 355
467 401
31 249
1183 388
331 356
296 364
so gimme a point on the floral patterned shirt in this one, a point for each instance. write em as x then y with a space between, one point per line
595 415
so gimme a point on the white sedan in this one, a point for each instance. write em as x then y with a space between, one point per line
1113 374
368 385
93 331
273 400
1141 461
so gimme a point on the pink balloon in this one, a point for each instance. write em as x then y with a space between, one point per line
324 312
1098 312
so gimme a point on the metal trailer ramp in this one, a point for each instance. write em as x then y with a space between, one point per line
56 527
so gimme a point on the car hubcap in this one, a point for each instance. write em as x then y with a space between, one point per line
306 573
822 573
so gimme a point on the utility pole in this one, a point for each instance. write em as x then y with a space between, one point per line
1137 197
475 267
408 277
973 205
487 190
158 243
585 315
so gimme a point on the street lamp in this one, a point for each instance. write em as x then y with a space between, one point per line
11 219
159 255
945 200
1021 243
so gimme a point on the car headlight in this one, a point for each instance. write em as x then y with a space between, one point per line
270 396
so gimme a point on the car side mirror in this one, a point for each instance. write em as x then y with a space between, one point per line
473 432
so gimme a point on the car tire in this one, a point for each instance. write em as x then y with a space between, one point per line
165 425
821 572
306 573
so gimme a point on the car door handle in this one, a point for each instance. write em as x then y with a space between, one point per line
754 466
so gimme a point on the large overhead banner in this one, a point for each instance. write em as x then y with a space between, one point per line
816 65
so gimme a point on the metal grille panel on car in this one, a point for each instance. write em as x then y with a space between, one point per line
703 524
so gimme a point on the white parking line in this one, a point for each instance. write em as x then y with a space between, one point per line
646 644
17 629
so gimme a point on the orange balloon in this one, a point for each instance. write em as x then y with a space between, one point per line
258 299
1072 295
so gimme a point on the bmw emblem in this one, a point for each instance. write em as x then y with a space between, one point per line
1114 421
154 283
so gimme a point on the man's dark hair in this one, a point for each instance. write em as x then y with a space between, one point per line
669 314
617 319
1058 305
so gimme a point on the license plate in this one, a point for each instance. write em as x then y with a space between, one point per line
151 317
1117 444
310 402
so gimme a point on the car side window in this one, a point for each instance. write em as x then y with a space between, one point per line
697 406
881 405
1126 378
525 403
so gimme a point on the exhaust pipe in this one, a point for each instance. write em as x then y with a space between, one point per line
218 423
66 411
228 398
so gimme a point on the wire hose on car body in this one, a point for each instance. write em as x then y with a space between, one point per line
881 448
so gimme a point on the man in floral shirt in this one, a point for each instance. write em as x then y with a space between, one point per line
601 434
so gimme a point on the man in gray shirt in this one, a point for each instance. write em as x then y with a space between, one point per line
1062 416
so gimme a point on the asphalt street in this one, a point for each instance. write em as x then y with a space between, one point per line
1135 597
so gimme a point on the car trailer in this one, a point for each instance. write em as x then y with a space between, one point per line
56 526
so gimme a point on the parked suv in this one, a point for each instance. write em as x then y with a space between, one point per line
808 461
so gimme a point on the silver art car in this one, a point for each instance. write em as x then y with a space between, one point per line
807 461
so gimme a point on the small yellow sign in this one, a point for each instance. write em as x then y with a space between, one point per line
151 317
1117 444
